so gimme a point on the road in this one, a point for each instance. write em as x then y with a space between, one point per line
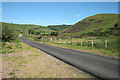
100 66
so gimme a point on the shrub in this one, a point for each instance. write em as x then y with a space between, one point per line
54 33
7 32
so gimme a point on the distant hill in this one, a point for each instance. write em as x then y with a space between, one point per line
59 27
23 28
96 25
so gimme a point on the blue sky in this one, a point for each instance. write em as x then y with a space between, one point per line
53 13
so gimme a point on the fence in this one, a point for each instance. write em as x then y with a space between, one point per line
105 43
100 43
82 42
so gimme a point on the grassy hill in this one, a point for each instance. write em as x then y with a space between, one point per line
96 25
59 27
42 30
37 29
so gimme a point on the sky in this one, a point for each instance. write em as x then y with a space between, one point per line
53 13
60 0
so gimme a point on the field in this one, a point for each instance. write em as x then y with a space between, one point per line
98 46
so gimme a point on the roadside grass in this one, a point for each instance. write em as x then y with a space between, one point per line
28 62
87 49
9 47
98 46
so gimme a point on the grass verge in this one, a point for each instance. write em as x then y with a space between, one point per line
98 48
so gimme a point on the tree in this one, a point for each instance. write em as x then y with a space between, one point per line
54 33
116 26
31 31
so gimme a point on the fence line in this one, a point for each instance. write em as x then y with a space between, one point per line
82 42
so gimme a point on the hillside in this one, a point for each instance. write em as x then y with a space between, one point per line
59 27
36 29
96 25
42 30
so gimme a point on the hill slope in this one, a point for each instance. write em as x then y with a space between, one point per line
59 27
23 28
97 25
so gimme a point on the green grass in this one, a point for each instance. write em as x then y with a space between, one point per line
11 73
96 25
59 27
98 48
10 47
18 28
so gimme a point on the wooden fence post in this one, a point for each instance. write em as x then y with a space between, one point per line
60 40
106 44
92 43
42 39
72 41
81 42
50 39
66 40
55 40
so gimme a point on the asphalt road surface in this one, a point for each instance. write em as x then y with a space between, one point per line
100 66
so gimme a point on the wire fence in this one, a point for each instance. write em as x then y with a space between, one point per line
105 43
100 43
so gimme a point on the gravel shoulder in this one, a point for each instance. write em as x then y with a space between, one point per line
29 62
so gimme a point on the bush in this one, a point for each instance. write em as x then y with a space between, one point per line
54 33
31 31
17 40
7 32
